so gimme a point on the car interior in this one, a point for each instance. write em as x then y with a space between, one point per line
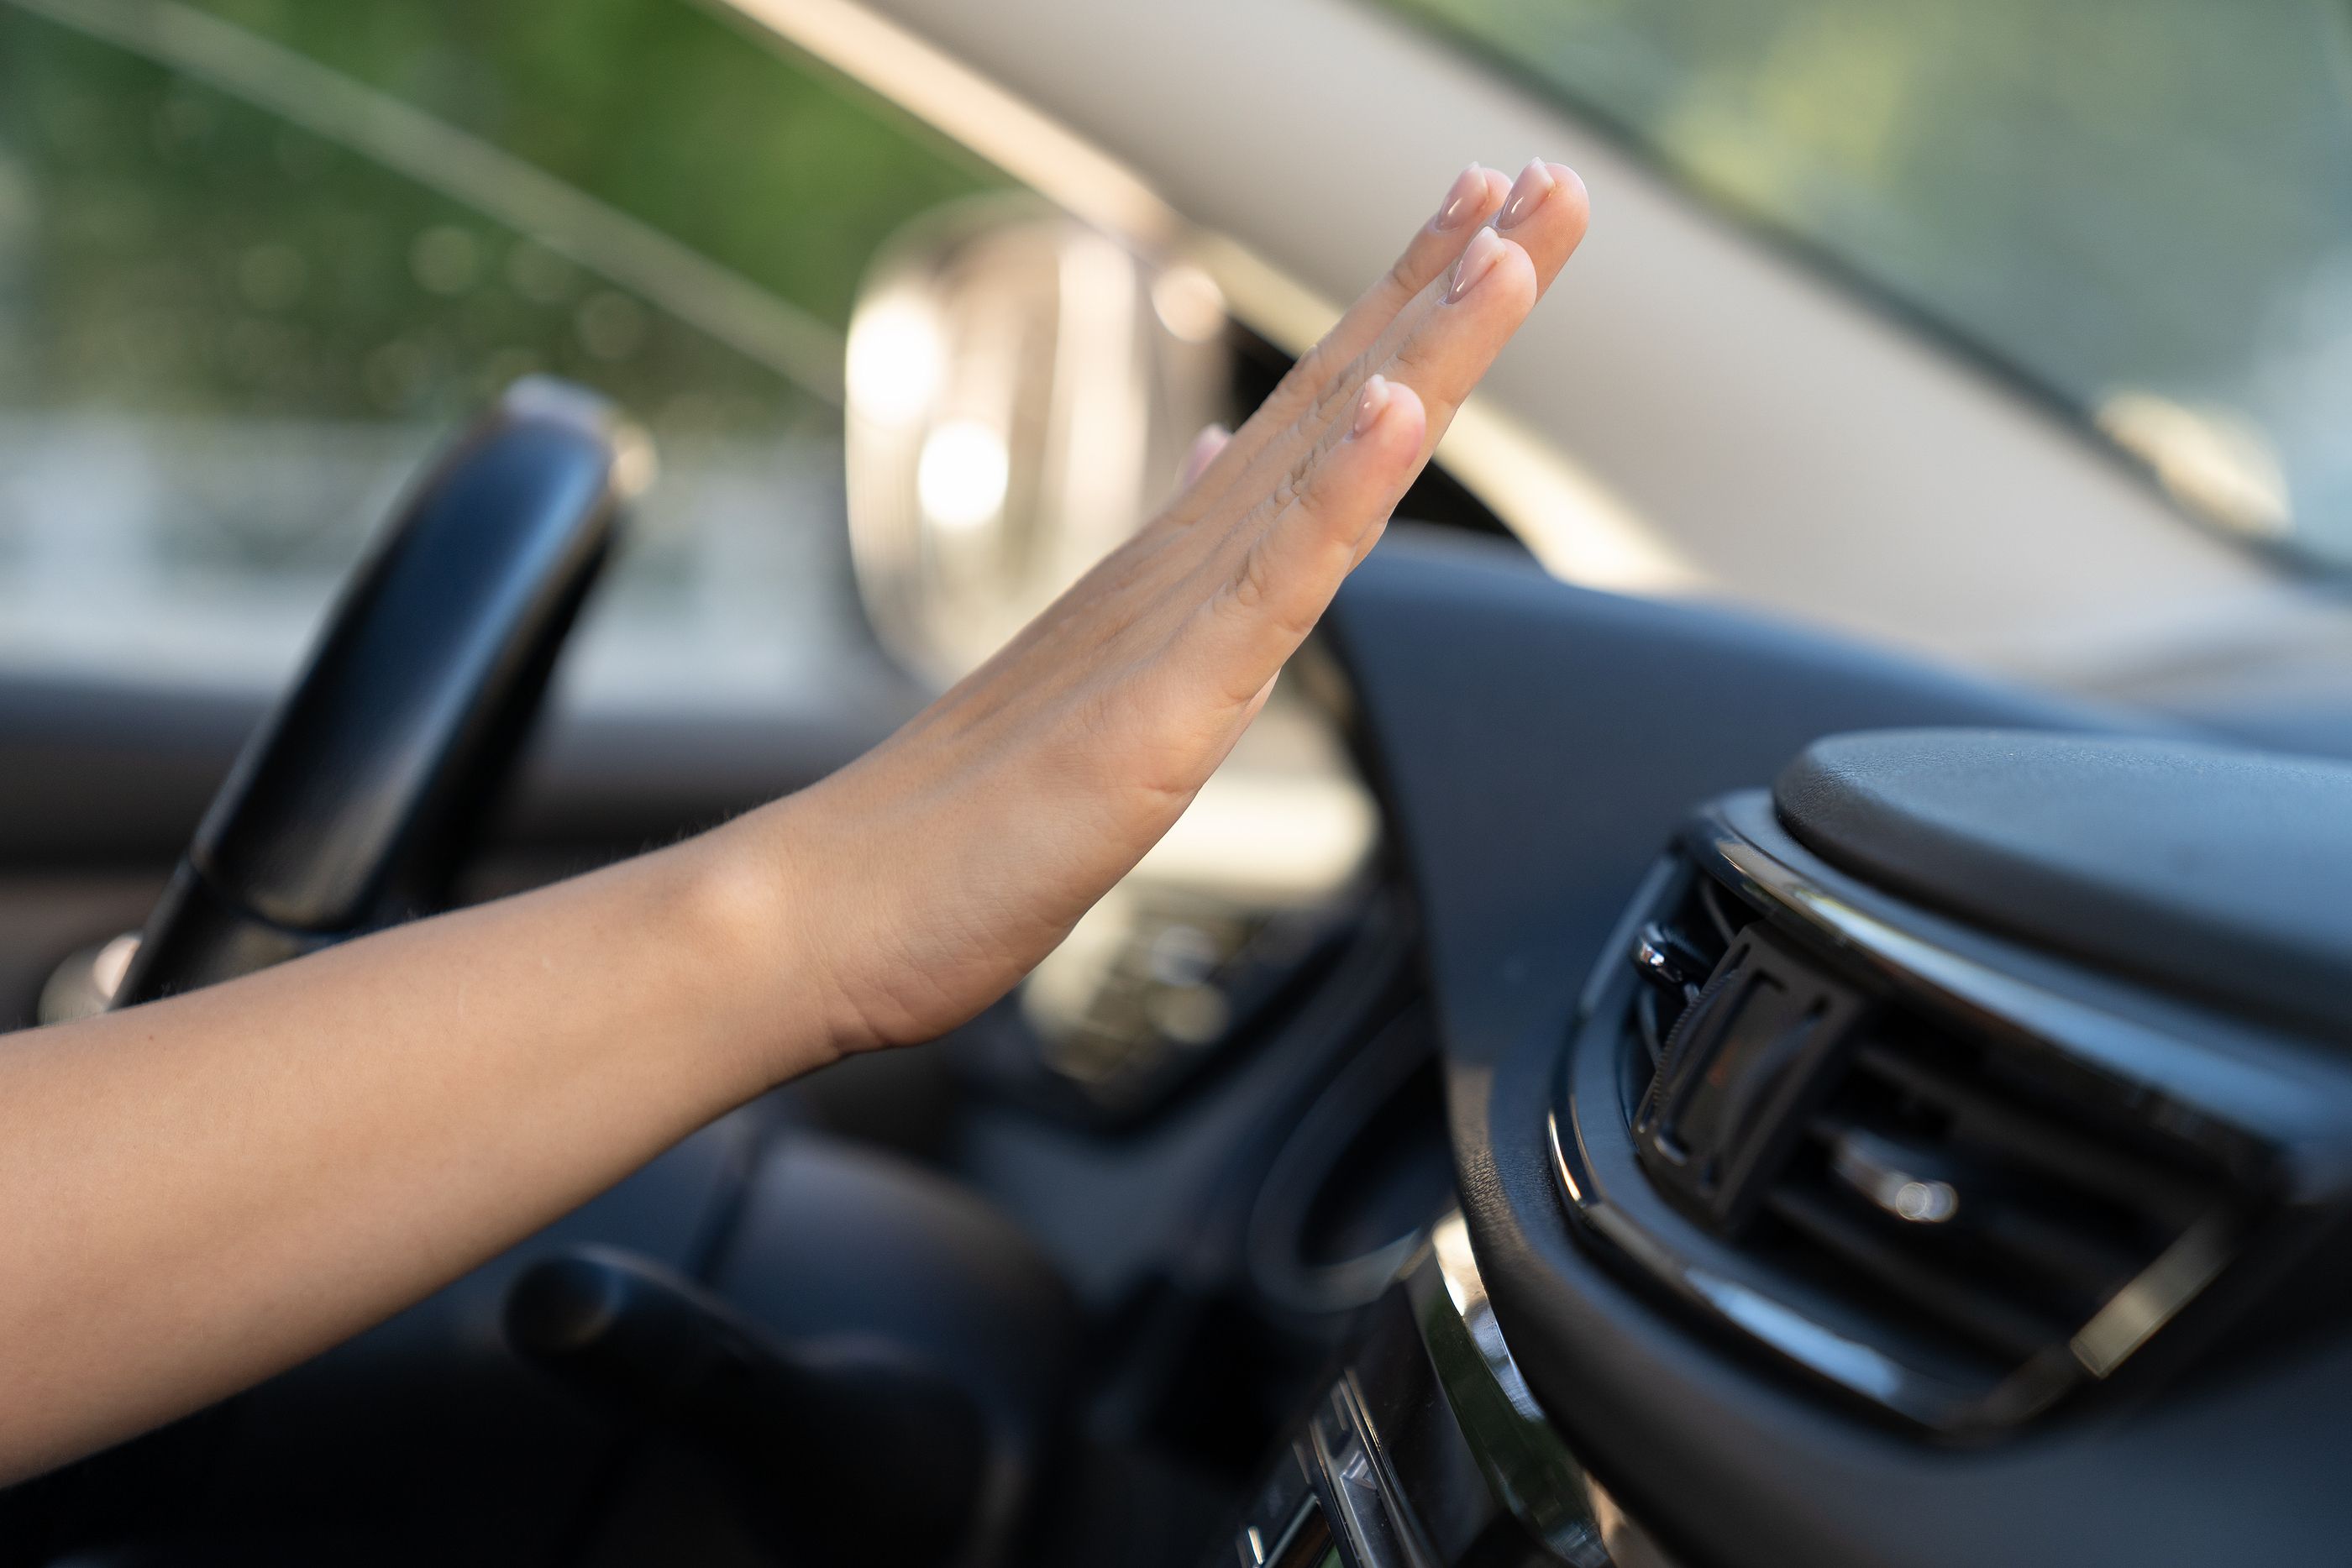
1770 987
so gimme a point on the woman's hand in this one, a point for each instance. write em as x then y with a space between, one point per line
930 876
197 1193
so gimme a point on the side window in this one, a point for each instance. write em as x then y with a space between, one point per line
258 258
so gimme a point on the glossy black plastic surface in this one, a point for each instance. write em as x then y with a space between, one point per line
349 807
1537 747
2242 1138
852 1453
2210 871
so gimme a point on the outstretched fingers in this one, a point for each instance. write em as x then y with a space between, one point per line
1476 196
1493 290
1430 340
1279 577
1338 468
1445 343
1546 215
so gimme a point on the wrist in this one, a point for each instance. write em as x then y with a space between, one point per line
753 933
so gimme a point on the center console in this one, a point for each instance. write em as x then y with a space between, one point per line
1427 1450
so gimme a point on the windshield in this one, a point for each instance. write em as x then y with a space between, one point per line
2142 206
258 258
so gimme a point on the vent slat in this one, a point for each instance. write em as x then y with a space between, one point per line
2077 1255
2052 1217
1965 1202
1968 1202
2069 1153
2074 1260
1948 1296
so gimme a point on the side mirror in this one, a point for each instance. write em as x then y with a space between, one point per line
1023 390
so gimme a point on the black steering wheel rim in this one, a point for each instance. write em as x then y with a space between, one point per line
355 800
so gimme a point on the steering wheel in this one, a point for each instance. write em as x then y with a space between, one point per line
354 802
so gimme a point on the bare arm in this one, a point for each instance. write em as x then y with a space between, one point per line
199 1192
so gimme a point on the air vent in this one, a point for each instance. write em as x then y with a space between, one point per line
2011 1216
1677 953
1955 1215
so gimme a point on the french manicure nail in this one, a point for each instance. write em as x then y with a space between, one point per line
1485 250
1370 406
1461 199
1528 193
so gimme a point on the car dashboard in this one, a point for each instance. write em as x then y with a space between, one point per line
1868 1150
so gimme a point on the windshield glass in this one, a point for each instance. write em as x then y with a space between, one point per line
2142 206
259 258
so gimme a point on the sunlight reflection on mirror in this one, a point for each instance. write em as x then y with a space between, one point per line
961 475
1021 389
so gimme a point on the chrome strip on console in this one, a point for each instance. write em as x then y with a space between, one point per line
1524 1461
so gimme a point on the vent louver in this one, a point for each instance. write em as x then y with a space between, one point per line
1997 1213
1983 1220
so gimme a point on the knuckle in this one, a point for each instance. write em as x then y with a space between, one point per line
1259 595
1292 486
1303 382
1339 390
1252 583
1320 373
1416 357
1406 275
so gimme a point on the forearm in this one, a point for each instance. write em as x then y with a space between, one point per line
196 1193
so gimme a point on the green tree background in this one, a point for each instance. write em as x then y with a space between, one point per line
168 248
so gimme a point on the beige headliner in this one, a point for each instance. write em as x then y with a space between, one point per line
1690 409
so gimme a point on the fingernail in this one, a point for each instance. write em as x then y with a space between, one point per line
1371 405
1485 250
1528 193
1205 448
1461 199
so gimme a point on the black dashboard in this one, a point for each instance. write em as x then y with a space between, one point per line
2006 1228
1758 1375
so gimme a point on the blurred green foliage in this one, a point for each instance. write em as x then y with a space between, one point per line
672 111
166 247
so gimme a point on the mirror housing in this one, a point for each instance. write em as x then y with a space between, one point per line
1022 393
